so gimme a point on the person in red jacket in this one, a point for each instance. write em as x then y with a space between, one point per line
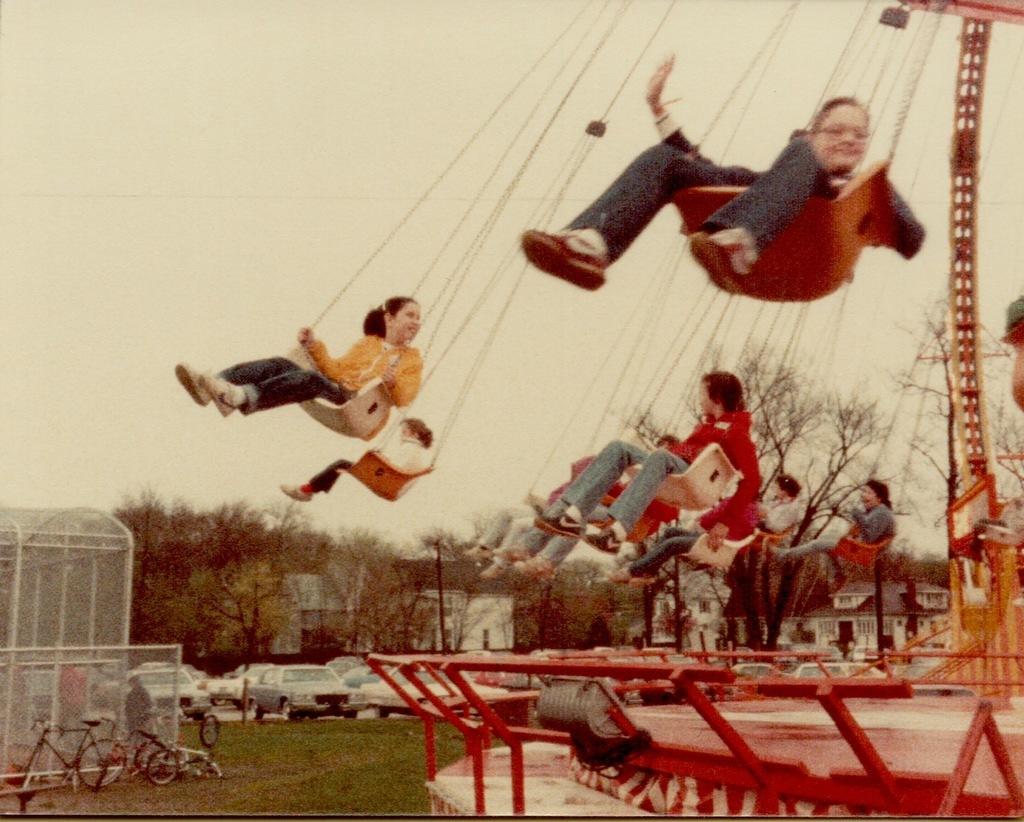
724 421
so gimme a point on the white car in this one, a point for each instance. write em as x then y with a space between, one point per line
229 687
812 670
383 697
295 691
161 682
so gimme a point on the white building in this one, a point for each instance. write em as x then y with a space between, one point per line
474 622
908 609
314 612
704 597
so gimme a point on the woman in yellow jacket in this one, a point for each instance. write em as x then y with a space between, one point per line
383 352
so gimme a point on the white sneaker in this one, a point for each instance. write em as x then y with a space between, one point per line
586 241
191 381
480 551
493 571
296 493
227 396
739 244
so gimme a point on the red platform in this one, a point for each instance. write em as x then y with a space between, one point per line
800 747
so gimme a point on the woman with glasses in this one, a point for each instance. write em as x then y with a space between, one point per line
818 161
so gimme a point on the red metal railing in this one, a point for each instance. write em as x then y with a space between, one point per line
875 787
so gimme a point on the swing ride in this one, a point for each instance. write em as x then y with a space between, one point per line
801 747
817 252
837 746
362 417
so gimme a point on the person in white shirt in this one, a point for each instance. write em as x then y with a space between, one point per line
780 510
409 453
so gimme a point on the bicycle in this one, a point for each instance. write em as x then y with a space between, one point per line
177 761
134 751
93 763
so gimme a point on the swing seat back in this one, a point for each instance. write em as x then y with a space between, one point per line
702 554
772 540
816 253
860 553
703 484
646 525
361 417
383 478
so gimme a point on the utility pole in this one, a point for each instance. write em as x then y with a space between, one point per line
440 595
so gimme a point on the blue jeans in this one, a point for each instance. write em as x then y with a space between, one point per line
818 546
587 490
522 536
278 381
673 541
497 533
558 548
772 201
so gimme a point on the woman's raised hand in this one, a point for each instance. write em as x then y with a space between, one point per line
656 85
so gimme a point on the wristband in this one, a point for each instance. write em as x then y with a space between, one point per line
666 125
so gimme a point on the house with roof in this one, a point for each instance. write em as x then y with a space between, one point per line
313 614
847 620
477 614
704 596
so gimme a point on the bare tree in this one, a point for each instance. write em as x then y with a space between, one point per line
826 440
248 598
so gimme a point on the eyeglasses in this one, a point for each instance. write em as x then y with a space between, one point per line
837 132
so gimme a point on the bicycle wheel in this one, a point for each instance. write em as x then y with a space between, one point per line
162 768
209 730
100 764
143 751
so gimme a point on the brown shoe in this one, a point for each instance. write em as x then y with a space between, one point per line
727 254
560 526
712 257
553 254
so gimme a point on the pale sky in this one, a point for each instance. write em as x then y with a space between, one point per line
196 179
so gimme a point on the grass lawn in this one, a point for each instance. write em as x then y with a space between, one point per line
364 766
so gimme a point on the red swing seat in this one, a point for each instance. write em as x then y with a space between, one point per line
860 553
769 540
817 252
383 478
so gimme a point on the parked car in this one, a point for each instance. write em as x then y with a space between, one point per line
502 679
359 676
382 696
746 674
295 691
160 683
200 677
755 670
919 668
228 688
940 689
812 670
342 664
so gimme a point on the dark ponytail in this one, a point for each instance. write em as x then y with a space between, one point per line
373 322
